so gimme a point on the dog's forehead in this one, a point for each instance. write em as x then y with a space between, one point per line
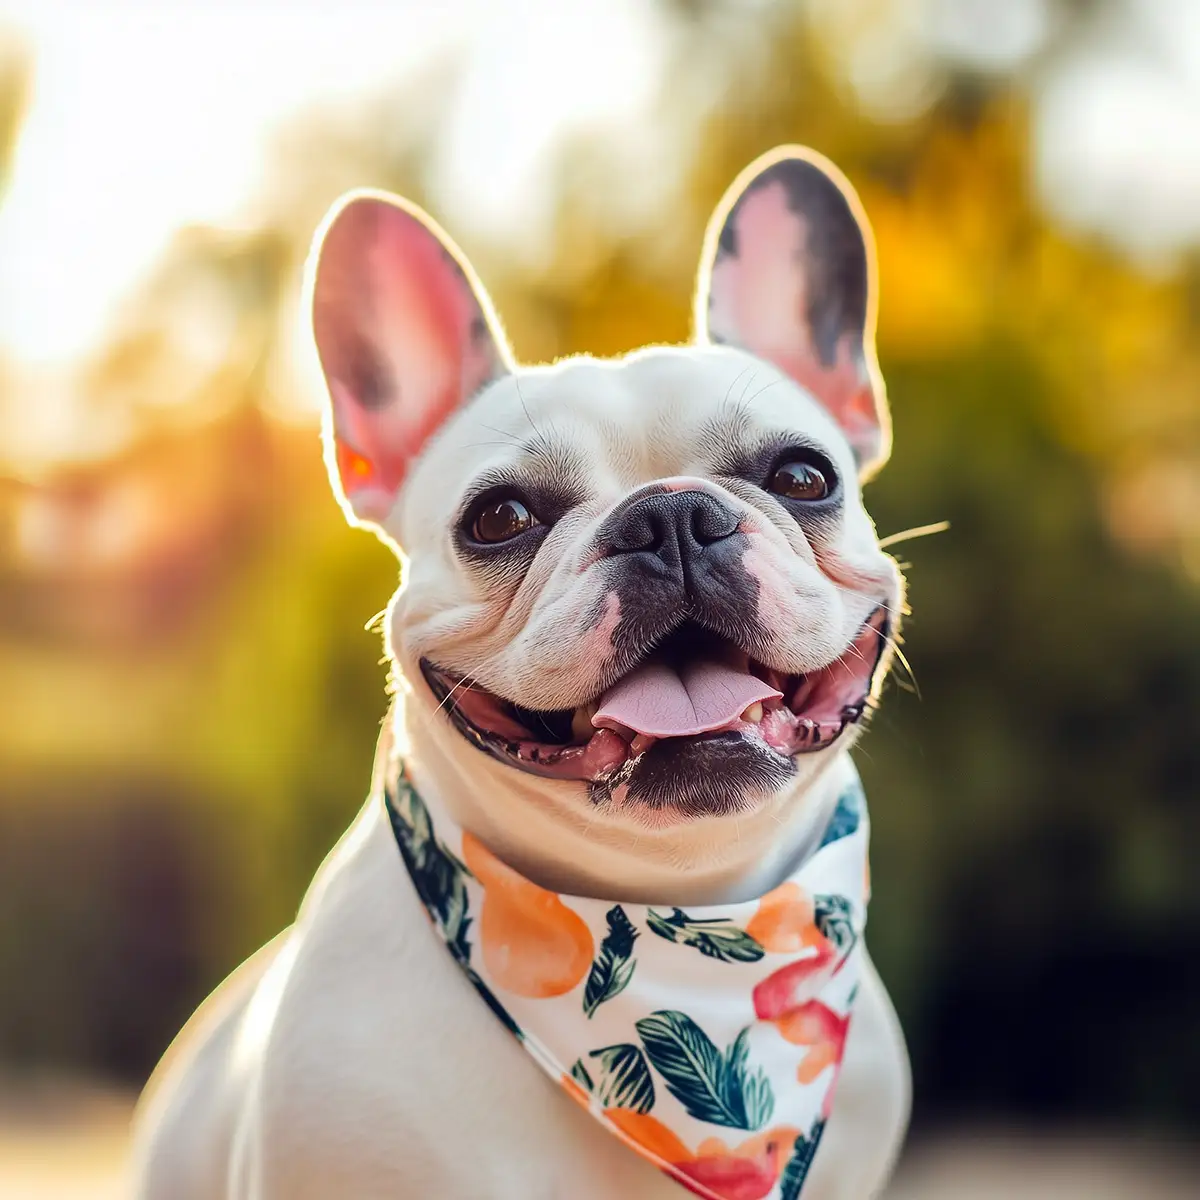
653 413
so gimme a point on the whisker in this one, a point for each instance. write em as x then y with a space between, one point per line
908 667
587 829
512 437
537 433
450 694
734 382
749 384
765 387
375 621
853 649
917 531
473 445
890 640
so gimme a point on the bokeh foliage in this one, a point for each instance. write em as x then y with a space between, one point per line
176 779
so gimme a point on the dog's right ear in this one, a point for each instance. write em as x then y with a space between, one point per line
405 333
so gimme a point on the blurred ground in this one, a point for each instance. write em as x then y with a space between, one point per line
976 1166
61 1141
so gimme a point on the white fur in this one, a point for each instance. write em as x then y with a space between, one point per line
351 1057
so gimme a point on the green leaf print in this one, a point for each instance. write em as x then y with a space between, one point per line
614 965
440 881
623 1078
716 937
754 1088
714 1087
796 1171
847 817
439 877
489 998
832 915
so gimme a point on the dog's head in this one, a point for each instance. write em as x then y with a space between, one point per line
651 580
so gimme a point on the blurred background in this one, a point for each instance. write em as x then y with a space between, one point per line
188 696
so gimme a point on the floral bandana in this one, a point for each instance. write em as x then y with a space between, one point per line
707 1040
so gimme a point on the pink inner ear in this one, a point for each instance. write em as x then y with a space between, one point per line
760 301
373 450
842 388
759 297
395 314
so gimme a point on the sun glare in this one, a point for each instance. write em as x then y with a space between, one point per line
147 118
144 120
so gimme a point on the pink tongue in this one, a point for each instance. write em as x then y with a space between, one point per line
659 701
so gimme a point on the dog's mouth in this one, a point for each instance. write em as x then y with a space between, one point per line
692 686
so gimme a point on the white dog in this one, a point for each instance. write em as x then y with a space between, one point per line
642 613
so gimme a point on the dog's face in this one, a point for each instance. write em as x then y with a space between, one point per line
651 580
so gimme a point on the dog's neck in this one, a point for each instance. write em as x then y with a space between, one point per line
554 842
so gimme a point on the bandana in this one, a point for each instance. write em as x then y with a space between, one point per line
707 1039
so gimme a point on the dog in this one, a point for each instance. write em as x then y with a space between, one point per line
586 547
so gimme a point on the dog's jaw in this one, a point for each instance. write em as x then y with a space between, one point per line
555 838
757 721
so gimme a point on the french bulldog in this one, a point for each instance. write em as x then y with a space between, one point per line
642 615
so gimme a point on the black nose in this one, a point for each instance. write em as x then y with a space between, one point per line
677 528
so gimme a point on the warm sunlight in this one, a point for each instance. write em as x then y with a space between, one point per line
191 679
146 120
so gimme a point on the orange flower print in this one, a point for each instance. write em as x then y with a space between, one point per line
649 1136
815 1025
748 1171
745 1172
575 1091
533 944
677 1090
784 921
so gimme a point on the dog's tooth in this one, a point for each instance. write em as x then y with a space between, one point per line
581 723
754 713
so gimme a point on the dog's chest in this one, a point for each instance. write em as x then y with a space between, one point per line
384 1074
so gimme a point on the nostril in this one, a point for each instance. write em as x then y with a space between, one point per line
639 530
669 525
712 521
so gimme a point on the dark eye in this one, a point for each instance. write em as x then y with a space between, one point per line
800 481
502 520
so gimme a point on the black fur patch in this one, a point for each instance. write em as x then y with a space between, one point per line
713 776
674 557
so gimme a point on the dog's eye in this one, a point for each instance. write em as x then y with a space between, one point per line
799 481
502 520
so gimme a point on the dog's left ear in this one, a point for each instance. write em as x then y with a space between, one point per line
788 273
405 333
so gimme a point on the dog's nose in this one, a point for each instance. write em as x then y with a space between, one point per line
674 527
